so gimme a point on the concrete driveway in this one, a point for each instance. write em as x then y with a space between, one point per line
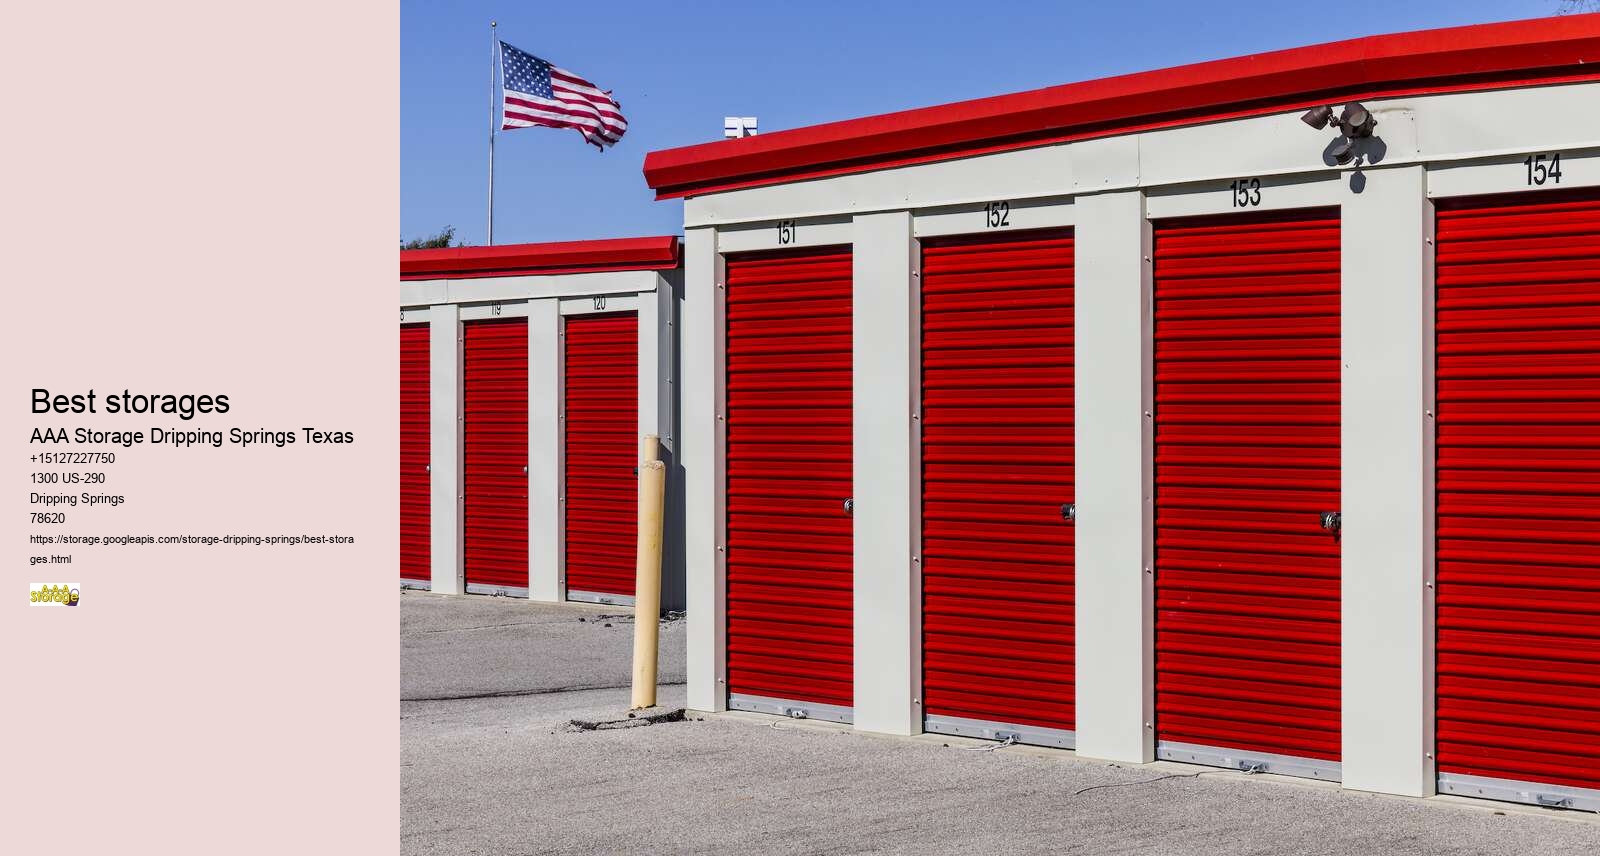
491 765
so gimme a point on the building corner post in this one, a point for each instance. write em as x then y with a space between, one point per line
1387 518
546 449
700 449
887 593
445 455
1113 442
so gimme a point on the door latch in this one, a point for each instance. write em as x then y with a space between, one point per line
1331 521
1069 511
849 507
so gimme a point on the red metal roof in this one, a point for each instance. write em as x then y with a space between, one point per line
1562 48
655 253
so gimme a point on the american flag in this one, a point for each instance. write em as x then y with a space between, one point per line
534 92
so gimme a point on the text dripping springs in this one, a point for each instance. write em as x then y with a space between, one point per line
185 438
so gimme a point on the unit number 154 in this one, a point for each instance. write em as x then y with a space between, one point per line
1543 168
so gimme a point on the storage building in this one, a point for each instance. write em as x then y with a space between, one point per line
1158 418
528 374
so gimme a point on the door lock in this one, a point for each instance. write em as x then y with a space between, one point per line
1331 521
1069 511
849 507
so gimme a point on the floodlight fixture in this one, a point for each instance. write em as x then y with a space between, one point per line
1318 117
1344 152
1355 121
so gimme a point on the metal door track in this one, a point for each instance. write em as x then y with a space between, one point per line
596 597
1509 790
791 708
497 591
1249 762
1032 735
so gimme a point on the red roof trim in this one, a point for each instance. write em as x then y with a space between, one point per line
1558 49
614 254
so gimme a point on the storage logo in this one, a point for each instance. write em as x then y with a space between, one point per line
53 594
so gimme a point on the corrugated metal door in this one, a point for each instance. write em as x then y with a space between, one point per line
602 452
1246 461
495 365
415 430
790 545
997 467
1518 329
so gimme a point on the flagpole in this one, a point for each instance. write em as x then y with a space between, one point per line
494 50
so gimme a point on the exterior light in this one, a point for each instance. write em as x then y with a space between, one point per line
1344 152
1318 117
1355 121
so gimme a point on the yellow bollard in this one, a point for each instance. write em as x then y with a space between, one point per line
650 448
647 583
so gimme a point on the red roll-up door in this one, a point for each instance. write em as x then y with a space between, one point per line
790 545
997 476
1518 327
602 452
415 431
495 365
1246 460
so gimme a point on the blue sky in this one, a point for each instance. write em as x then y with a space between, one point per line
679 68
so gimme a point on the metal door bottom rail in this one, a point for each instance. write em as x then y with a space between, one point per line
502 591
1511 790
596 597
1243 759
419 585
1033 735
791 708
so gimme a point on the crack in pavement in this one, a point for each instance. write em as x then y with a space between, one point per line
633 721
537 692
614 619
480 627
